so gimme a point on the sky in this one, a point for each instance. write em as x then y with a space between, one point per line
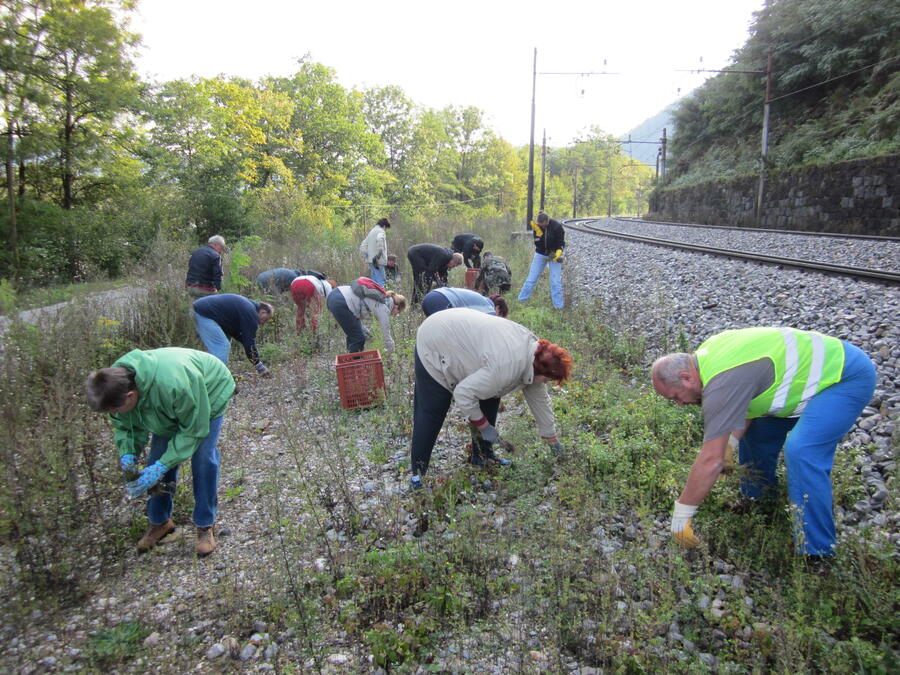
465 52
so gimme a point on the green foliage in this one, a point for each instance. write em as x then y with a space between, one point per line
834 93
7 297
111 647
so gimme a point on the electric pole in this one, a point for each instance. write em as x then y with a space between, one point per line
765 140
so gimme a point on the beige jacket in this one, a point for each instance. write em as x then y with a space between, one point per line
375 244
478 356
380 310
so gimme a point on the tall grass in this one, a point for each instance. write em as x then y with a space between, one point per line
569 558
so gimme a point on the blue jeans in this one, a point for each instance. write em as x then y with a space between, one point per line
348 321
538 263
376 274
809 442
213 337
205 475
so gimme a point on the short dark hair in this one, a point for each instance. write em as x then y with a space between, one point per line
107 388
543 217
384 222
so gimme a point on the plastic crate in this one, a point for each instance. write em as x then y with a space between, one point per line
471 276
360 378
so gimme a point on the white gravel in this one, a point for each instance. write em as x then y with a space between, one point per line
880 254
666 293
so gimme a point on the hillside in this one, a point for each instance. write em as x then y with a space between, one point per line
649 130
835 93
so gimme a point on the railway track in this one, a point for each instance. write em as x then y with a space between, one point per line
593 226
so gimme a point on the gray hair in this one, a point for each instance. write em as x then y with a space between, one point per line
107 388
217 239
667 368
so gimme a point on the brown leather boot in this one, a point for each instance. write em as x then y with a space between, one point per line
154 534
206 541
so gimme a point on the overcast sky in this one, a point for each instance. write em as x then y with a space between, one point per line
464 52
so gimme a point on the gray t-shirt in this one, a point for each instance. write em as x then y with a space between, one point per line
726 397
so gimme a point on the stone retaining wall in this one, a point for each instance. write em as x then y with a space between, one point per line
856 197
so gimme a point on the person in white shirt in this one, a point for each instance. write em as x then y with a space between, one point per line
374 250
473 359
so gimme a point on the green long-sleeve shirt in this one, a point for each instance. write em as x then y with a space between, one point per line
179 392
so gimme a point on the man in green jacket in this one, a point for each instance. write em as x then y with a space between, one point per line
773 389
177 399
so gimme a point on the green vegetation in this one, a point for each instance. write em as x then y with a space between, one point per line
99 165
835 93
575 551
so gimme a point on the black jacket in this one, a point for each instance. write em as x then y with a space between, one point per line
551 240
430 260
205 268
465 243
237 316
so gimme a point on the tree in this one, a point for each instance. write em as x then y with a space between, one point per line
337 145
85 68
214 139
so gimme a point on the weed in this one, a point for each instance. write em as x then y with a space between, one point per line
111 647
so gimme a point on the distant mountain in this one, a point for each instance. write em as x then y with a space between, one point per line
649 130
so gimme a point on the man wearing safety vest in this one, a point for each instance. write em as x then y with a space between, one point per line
770 388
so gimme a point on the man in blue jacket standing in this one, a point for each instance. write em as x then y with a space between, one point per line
204 275
225 316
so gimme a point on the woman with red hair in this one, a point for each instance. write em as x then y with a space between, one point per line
473 359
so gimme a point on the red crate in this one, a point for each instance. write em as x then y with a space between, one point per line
360 378
471 276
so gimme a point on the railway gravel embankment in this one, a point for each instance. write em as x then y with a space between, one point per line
662 293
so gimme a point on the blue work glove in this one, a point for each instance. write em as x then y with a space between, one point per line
556 448
261 369
489 433
148 478
126 462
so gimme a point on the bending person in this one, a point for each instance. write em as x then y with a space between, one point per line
470 245
472 359
770 388
225 316
350 310
175 398
450 298
308 293
430 264
277 280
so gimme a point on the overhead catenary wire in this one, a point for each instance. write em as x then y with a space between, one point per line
832 79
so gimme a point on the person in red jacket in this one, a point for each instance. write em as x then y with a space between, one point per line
308 292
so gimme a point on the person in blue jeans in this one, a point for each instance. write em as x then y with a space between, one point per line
176 398
219 318
772 389
549 245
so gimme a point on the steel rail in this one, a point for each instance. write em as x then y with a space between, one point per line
832 268
874 237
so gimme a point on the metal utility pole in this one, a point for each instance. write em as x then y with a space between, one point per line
530 207
662 155
765 140
543 167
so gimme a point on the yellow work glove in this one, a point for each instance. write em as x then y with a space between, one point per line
537 230
681 528
557 255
